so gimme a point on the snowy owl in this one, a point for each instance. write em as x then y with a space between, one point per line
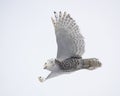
71 47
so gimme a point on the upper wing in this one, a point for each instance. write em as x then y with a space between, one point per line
69 40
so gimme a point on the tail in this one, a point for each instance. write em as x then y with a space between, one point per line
91 63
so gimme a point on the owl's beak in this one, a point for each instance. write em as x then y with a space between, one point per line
45 66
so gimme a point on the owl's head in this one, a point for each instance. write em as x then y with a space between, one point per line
51 65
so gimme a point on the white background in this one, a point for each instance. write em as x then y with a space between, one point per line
27 40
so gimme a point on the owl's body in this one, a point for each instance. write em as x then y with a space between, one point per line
71 47
70 64
77 63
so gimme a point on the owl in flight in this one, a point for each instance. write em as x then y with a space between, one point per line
71 47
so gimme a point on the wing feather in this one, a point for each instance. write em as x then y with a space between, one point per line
69 40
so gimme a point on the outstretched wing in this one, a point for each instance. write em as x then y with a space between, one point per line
69 40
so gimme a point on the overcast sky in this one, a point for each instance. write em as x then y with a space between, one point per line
27 40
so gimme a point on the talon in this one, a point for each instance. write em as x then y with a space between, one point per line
91 68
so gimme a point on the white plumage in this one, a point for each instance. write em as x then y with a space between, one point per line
69 40
71 47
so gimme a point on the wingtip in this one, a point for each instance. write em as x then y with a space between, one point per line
60 14
55 12
53 21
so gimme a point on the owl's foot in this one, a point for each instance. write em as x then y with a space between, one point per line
91 63
41 79
91 68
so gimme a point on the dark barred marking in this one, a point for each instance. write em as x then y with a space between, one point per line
69 64
75 57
